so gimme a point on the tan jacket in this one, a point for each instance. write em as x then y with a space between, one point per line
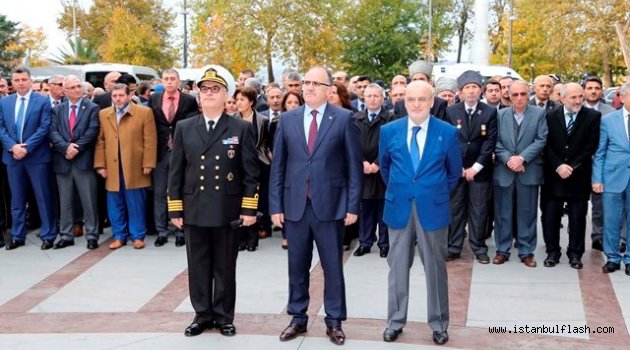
137 138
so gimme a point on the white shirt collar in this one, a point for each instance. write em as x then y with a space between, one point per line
424 126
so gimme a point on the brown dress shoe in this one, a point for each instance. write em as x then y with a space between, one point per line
116 244
78 230
499 259
262 234
336 335
292 331
529 261
138 244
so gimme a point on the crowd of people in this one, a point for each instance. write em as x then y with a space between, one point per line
324 158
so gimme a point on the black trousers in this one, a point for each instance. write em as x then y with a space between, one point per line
211 253
552 214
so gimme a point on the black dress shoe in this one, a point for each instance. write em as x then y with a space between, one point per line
452 256
292 331
440 338
47 245
551 261
361 251
346 247
576 263
196 328
160 241
384 252
2 243
597 245
483 258
92 244
180 241
227 330
611 267
628 269
336 335
242 247
391 335
622 247
62 244
14 244
251 248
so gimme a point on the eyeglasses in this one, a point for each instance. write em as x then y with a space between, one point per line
516 94
316 84
339 78
56 84
74 87
293 85
213 89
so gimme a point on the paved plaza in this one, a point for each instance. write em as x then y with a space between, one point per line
138 299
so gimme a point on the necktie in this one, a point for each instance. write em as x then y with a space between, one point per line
274 116
55 104
570 123
361 106
73 119
20 120
414 150
210 127
312 133
171 109
470 114
541 104
372 116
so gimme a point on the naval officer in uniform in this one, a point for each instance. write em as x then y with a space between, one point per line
212 184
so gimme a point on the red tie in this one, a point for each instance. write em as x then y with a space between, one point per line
73 119
312 133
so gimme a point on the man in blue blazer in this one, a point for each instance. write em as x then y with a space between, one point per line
73 133
24 129
421 163
611 176
314 190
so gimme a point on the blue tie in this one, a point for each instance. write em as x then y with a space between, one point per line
414 150
20 120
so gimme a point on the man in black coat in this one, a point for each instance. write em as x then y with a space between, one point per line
369 123
169 107
212 185
572 140
476 123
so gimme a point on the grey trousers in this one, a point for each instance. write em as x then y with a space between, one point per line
432 247
469 205
160 211
85 183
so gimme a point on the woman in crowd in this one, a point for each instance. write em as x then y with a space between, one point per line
338 95
291 100
230 106
245 98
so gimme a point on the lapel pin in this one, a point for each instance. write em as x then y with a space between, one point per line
330 117
459 123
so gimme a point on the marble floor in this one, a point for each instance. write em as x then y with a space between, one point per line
138 299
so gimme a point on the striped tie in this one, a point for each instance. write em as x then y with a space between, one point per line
570 123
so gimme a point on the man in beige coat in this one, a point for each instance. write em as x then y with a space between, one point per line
125 155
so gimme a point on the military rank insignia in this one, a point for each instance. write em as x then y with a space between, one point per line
483 130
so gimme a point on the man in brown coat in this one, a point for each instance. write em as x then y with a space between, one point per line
125 156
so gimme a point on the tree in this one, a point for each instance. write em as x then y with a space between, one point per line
9 35
462 13
150 22
31 45
243 34
84 53
381 48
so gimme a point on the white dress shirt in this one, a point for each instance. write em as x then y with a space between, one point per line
308 118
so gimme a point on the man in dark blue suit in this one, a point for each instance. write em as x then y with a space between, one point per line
73 133
421 163
24 128
314 190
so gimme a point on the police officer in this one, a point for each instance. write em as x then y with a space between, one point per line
212 184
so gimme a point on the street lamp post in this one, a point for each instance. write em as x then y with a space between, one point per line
185 13
531 71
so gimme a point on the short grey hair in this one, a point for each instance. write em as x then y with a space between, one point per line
254 83
294 76
565 87
519 82
375 86
171 71
67 78
624 90
57 78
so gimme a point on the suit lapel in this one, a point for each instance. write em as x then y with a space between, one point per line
511 126
219 129
402 143
524 124
10 122
298 128
621 129
430 145
327 120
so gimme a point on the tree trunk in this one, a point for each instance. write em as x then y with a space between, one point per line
625 48
269 60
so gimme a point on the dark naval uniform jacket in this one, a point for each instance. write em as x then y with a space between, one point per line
213 177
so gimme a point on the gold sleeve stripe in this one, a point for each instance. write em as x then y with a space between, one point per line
254 207
250 202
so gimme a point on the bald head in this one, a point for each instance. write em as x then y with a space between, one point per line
419 100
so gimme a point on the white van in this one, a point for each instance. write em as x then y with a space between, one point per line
95 72
454 70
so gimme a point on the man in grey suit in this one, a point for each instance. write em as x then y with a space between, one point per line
593 99
522 135
73 131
